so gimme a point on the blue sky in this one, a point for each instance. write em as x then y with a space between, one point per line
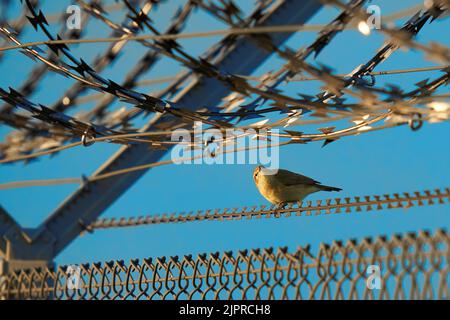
382 162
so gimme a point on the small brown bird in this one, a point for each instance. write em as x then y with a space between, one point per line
283 186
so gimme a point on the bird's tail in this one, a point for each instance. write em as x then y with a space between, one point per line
328 188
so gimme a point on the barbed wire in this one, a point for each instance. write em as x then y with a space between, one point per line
271 97
198 140
102 62
400 14
410 266
327 136
434 9
404 200
404 111
57 16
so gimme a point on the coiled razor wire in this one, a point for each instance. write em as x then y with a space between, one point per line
229 14
411 266
320 207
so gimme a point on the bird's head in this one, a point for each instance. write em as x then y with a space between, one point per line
256 172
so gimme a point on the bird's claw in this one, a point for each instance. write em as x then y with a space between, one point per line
280 206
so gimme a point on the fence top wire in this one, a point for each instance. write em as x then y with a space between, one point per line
411 266
403 200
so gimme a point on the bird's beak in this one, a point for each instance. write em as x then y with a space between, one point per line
255 173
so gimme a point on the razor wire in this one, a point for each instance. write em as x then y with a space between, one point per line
42 17
405 111
103 61
408 266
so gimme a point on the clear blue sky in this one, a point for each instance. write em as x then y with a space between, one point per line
394 160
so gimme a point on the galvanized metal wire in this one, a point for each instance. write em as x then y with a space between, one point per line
227 12
411 266
328 206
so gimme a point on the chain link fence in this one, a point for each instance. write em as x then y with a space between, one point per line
409 266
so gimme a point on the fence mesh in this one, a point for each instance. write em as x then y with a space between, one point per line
409 266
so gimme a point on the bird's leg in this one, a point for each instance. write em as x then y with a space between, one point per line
281 205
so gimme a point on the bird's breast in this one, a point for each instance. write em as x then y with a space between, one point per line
270 189
276 192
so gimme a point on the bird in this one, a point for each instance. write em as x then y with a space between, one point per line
281 187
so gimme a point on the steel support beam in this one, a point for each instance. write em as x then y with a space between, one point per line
16 246
91 200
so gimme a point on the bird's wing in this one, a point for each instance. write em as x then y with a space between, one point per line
289 178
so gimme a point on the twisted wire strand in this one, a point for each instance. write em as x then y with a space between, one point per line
404 200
